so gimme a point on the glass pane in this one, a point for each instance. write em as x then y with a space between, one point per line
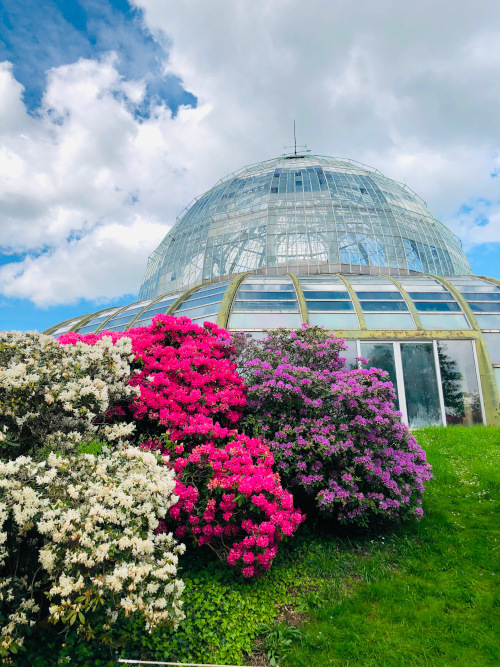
151 312
268 287
101 317
208 318
487 296
432 288
265 305
431 296
67 326
437 306
444 321
264 320
119 322
321 279
383 296
485 307
383 305
370 288
137 306
493 345
265 296
89 328
125 315
329 305
191 302
198 312
212 286
389 321
485 287
419 373
459 382
350 354
488 321
338 321
497 378
145 322
325 294
381 355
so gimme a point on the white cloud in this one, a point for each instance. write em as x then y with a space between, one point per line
407 88
85 183
105 264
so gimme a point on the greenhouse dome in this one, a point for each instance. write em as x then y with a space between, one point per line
305 214
336 244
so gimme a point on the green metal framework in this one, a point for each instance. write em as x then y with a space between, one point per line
485 367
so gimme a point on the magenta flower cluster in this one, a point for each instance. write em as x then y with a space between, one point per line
335 433
191 399
232 500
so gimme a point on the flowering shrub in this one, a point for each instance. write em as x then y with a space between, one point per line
233 501
230 498
334 433
188 383
78 543
56 396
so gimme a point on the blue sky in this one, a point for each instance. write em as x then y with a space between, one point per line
37 36
115 114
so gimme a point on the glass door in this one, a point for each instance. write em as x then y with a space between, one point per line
381 355
423 399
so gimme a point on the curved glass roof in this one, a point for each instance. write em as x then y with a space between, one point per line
339 302
306 215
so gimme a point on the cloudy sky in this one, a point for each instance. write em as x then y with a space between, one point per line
114 114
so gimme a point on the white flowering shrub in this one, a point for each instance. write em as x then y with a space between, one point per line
54 396
78 544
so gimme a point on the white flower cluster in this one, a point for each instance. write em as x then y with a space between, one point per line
53 395
78 542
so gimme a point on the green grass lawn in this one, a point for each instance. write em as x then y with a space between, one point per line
420 594
424 594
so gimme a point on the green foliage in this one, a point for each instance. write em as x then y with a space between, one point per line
422 595
93 447
278 640
224 613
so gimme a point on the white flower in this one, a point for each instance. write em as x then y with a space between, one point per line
95 516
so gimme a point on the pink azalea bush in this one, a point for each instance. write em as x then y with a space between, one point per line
191 399
188 383
232 500
334 433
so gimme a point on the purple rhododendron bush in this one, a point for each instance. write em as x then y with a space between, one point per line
335 433
189 406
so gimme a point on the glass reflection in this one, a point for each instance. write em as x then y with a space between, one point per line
381 355
420 380
493 344
264 321
459 381
444 321
389 321
337 321
350 354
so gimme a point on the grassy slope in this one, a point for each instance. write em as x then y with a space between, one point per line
424 594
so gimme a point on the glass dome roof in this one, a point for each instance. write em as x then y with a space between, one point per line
304 214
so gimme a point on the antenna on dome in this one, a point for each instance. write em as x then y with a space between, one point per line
303 147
